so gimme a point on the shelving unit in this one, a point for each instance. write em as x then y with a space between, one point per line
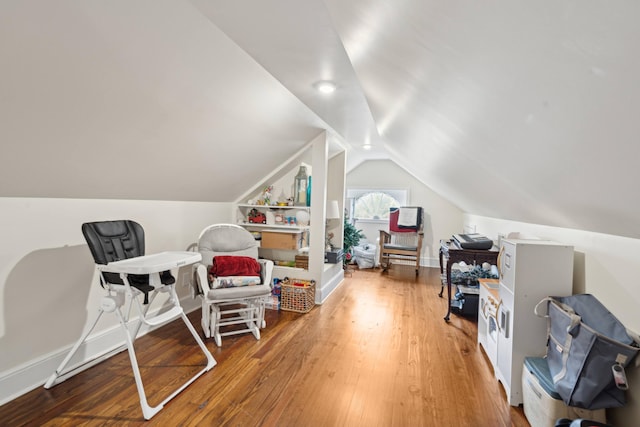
283 249
325 160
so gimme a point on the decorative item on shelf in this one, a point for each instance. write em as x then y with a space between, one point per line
302 218
271 217
256 217
282 199
267 195
300 187
333 212
279 217
309 191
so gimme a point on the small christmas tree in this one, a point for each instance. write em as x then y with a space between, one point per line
352 237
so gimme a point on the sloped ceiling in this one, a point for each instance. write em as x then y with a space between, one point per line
136 100
516 110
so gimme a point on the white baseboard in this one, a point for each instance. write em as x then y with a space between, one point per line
34 373
327 288
429 262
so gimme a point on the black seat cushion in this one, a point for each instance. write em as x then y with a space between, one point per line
111 241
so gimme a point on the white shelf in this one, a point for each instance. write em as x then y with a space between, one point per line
275 227
306 208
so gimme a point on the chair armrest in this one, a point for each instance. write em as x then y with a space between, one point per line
201 286
266 271
385 237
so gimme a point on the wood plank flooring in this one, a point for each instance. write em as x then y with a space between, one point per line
376 353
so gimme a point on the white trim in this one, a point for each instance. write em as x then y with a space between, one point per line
322 293
400 194
429 262
33 374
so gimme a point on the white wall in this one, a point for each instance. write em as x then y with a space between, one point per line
442 219
605 266
48 290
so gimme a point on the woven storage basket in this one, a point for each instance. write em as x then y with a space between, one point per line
298 295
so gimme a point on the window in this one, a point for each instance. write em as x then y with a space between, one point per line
374 204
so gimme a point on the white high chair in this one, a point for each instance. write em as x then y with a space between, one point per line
126 275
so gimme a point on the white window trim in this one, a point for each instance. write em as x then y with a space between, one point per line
400 194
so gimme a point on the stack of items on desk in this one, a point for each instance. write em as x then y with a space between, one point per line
473 241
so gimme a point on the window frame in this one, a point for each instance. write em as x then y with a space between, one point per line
399 194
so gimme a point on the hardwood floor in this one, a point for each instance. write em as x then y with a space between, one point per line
376 353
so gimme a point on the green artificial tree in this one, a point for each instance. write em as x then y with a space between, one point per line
352 237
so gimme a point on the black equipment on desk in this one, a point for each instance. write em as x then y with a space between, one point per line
472 241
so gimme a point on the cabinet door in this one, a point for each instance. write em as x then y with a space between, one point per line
505 372
508 265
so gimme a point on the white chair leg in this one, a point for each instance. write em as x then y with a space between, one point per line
53 379
261 309
255 330
149 411
206 319
216 315
211 362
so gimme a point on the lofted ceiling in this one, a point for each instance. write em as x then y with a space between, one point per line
515 110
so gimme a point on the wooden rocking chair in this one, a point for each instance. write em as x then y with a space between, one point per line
403 242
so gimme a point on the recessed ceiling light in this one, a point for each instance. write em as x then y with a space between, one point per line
325 86
367 146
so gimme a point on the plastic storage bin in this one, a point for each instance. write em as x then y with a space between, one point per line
543 406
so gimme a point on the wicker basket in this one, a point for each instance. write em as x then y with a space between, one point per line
298 295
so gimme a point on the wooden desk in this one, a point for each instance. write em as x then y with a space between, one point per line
453 254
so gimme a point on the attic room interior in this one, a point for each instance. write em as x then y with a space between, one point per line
495 118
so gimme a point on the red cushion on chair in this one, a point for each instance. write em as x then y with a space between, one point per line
229 265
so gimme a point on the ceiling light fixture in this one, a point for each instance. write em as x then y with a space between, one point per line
325 86
366 146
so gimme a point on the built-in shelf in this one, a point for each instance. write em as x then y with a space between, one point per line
245 205
275 227
288 211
